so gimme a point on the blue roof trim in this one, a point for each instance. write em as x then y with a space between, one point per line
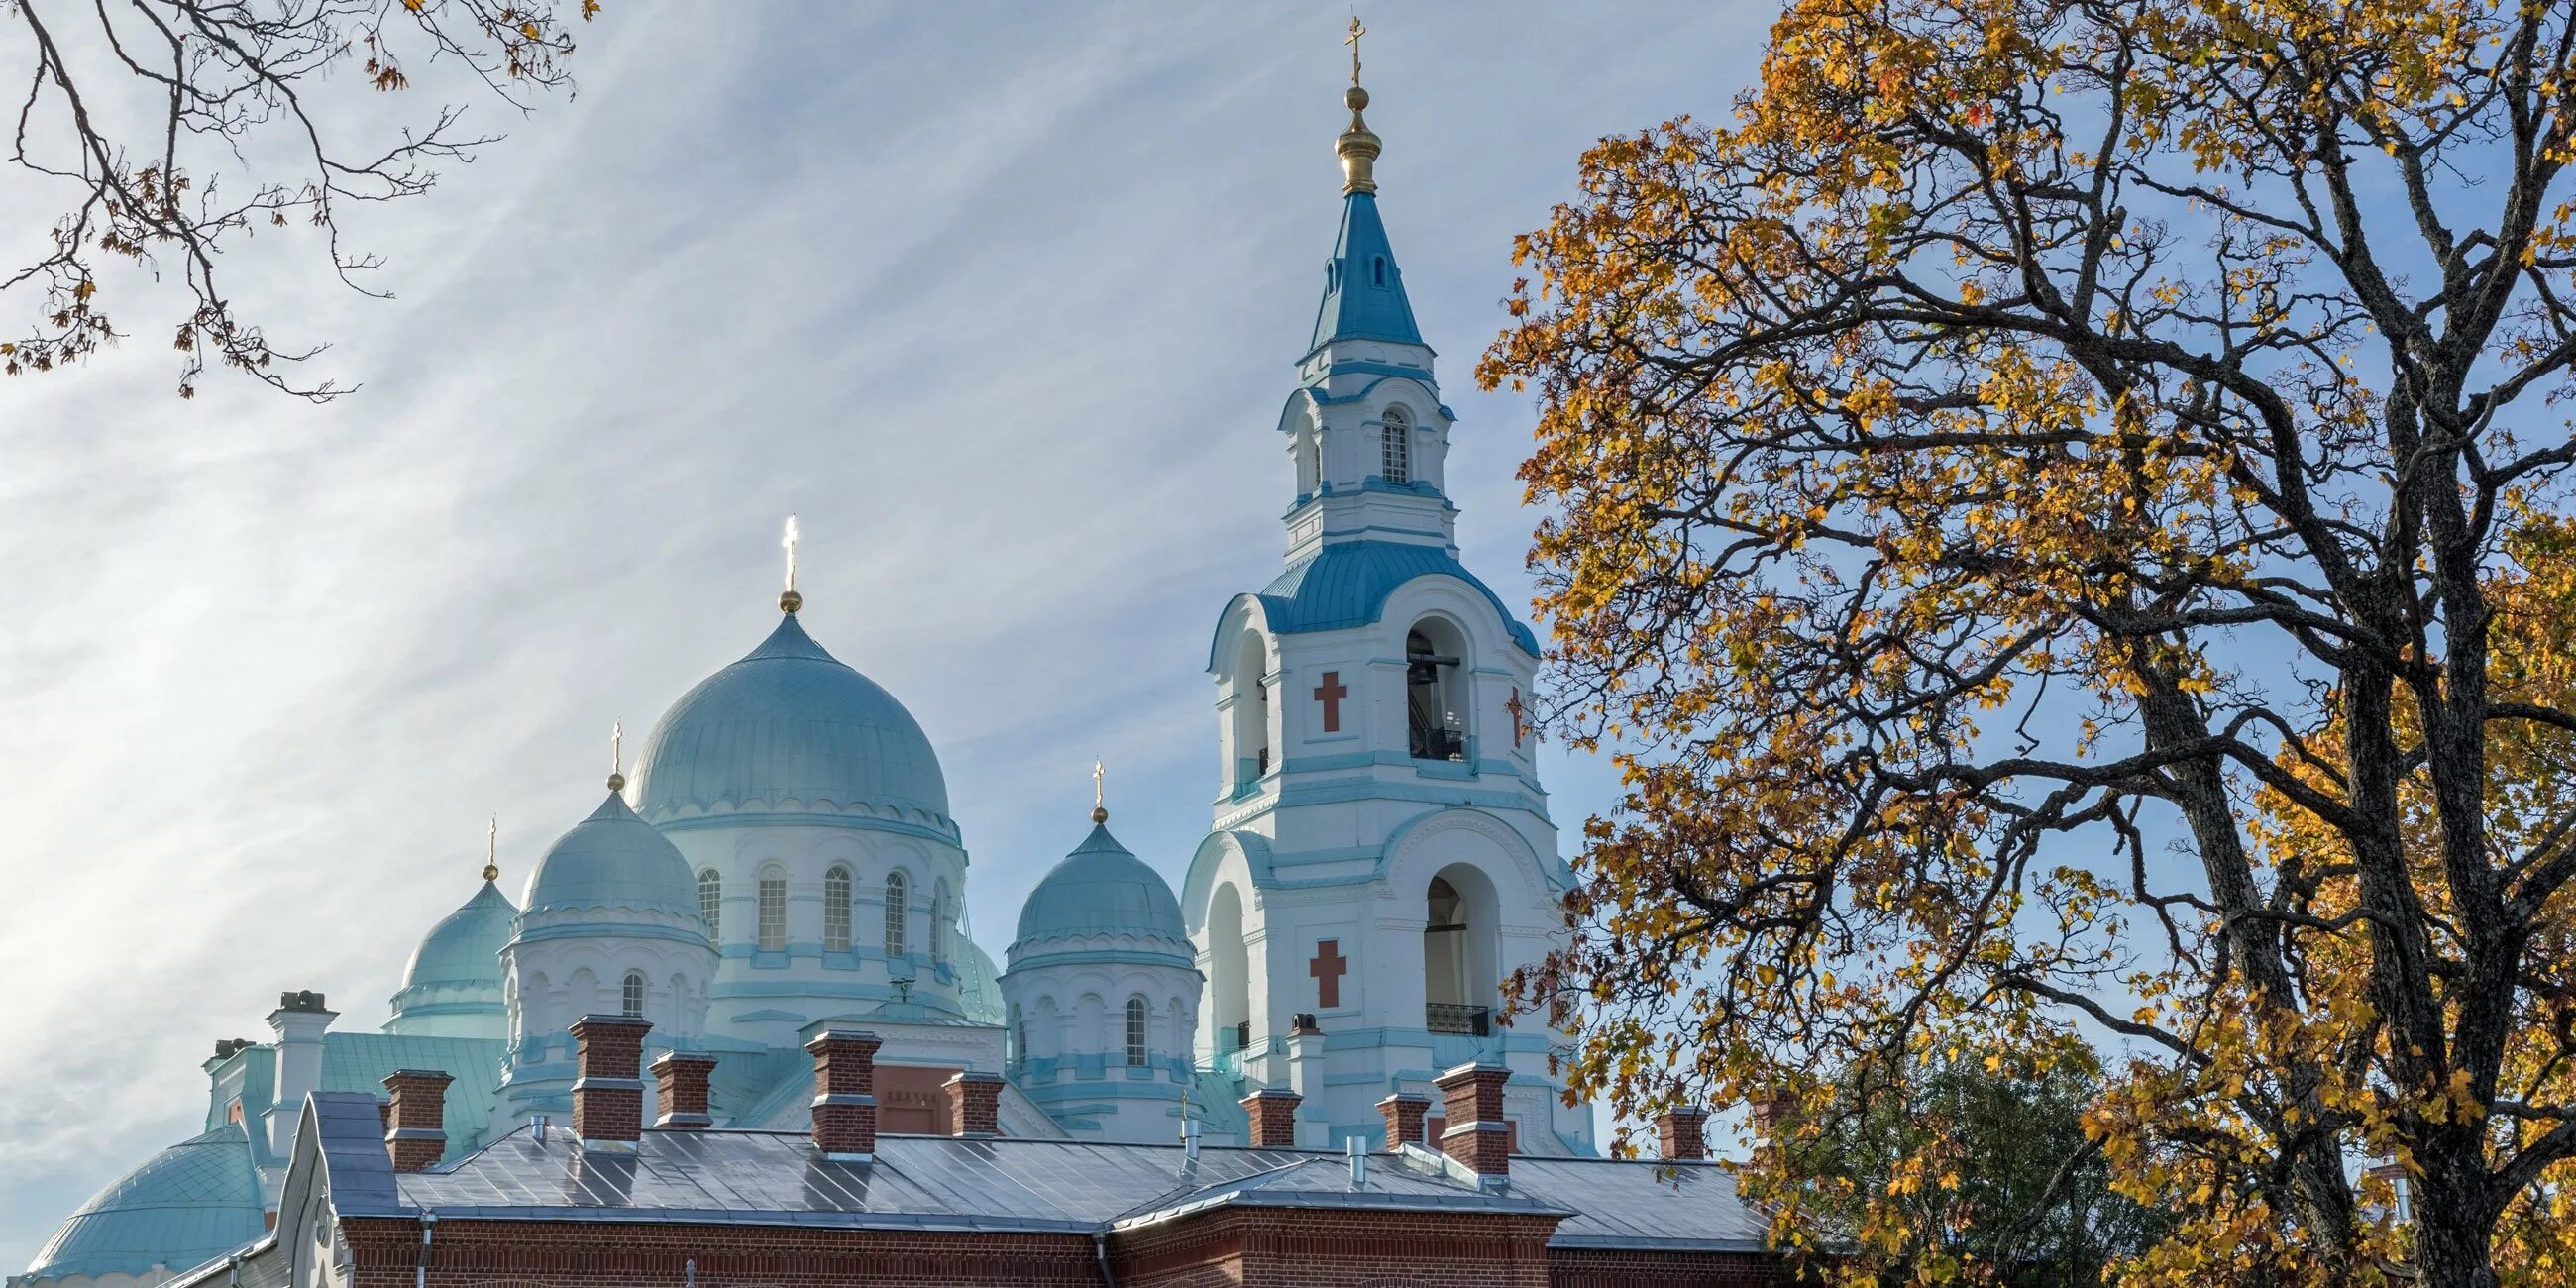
1347 584
1363 290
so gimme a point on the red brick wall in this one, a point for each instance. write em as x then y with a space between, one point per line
1291 1248
532 1254
1597 1268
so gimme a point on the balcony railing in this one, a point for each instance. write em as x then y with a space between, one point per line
1452 1018
1438 744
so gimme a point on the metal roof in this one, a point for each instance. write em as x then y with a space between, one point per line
1347 584
197 1199
965 1184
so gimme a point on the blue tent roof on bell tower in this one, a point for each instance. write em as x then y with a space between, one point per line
1363 289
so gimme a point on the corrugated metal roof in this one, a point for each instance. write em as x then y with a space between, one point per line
1347 583
953 1183
195 1200
1635 1204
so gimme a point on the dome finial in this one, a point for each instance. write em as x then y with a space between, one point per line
789 600
492 850
617 755
1358 146
1099 800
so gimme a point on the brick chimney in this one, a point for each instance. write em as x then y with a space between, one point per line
416 1118
1766 1115
299 1022
845 1101
1273 1111
680 1083
608 1089
1404 1113
1682 1132
974 1104
1476 1133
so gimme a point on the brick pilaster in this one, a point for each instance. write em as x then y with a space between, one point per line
974 1103
1404 1113
1475 1133
845 1100
1682 1133
415 1118
680 1089
608 1089
1273 1111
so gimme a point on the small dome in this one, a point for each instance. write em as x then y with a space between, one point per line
613 859
1101 889
790 727
190 1204
465 948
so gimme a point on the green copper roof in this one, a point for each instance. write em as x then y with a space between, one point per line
190 1204
1363 290
613 859
1101 889
790 727
465 947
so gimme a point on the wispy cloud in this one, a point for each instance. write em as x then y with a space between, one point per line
1001 299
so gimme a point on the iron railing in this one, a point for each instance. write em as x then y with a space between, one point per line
1452 1018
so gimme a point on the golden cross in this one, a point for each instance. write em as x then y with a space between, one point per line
1099 772
492 850
1353 40
617 748
789 542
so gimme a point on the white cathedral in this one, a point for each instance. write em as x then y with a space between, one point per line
1378 859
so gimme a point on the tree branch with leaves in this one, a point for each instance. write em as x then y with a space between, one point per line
171 130
2055 511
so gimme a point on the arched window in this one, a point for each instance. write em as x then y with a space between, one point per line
1435 691
1377 270
897 893
1019 1039
939 923
836 909
1136 1021
1397 465
1251 713
1310 463
711 903
630 998
773 911
1459 982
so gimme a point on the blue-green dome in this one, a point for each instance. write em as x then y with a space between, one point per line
465 947
613 859
1100 889
791 728
192 1203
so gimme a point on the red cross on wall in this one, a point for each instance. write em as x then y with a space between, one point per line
1520 727
1327 968
1330 693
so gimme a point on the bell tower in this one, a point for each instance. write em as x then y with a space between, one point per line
1380 856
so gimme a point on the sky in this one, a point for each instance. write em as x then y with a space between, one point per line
1000 300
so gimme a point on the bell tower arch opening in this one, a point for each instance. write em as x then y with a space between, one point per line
1459 941
1436 706
1229 972
1251 709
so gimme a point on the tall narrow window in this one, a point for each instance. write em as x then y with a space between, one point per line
1397 466
1019 1040
1136 1021
630 999
897 893
1377 270
836 909
711 903
773 912
939 923
1434 697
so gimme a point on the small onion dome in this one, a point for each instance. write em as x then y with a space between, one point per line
1100 889
791 728
613 859
188 1205
465 948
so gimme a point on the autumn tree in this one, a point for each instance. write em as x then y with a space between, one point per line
2055 509
167 132
1983 1158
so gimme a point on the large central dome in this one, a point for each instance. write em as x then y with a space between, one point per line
791 729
